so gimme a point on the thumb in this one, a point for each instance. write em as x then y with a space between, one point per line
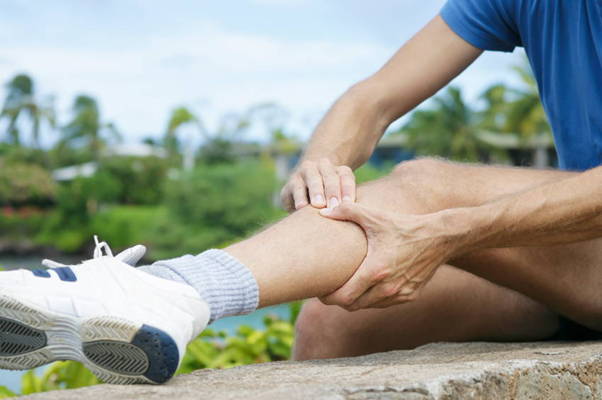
346 212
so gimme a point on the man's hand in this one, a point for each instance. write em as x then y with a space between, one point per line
348 133
403 253
319 183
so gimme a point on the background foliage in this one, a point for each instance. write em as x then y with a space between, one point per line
215 204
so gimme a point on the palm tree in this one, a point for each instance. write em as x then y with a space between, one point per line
182 116
493 117
447 129
21 100
179 117
86 127
526 115
515 110
217 146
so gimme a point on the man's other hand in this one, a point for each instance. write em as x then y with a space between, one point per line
404 251
319 183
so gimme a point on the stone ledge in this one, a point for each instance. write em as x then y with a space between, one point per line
544 370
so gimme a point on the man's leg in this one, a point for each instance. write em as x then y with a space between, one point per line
305 256
455 306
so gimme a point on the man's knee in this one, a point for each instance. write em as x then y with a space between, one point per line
424 185
314 335
421 170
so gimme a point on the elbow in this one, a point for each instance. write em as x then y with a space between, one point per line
374 96
364 92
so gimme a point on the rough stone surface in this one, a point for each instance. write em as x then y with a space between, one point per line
560 371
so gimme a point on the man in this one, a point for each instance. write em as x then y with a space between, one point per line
448 251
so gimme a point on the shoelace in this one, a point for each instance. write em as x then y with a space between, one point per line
99 246
98 252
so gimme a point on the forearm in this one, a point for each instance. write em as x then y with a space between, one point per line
350 130
564 211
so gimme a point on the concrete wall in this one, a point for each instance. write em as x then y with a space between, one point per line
439 371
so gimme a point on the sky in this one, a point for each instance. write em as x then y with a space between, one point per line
142 58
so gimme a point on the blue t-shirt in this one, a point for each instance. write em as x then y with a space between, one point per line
563 40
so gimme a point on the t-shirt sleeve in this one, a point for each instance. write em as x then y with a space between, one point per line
486 24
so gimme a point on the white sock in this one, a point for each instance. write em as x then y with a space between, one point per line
226 284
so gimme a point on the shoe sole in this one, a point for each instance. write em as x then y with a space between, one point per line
116 350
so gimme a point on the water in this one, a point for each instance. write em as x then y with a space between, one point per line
15 262
12 379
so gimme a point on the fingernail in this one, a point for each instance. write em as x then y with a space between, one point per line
333 203
346 199
326 211
318 199
301 205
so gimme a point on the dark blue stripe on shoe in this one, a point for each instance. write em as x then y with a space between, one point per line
41 273
66 274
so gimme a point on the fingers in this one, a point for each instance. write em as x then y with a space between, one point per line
347 212
408 292
286 202
374 286
286 199
376 294
332 183
320 184
313 180
347 179
294 194
298 193
395 300
357 285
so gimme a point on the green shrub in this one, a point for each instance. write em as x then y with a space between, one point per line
22 183
68 235
22 225
12 154
4 393
137 180
70 226
247 346
123 226
236 197
60 375
214 205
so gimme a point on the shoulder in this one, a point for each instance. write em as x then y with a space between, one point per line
486 24
487 8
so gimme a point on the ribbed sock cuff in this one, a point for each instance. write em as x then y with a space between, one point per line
222 281
162 272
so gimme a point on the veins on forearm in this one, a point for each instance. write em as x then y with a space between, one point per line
553 213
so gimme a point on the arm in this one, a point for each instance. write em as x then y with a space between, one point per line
560 212
405 250
348 133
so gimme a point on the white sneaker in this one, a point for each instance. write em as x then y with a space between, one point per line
125 325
